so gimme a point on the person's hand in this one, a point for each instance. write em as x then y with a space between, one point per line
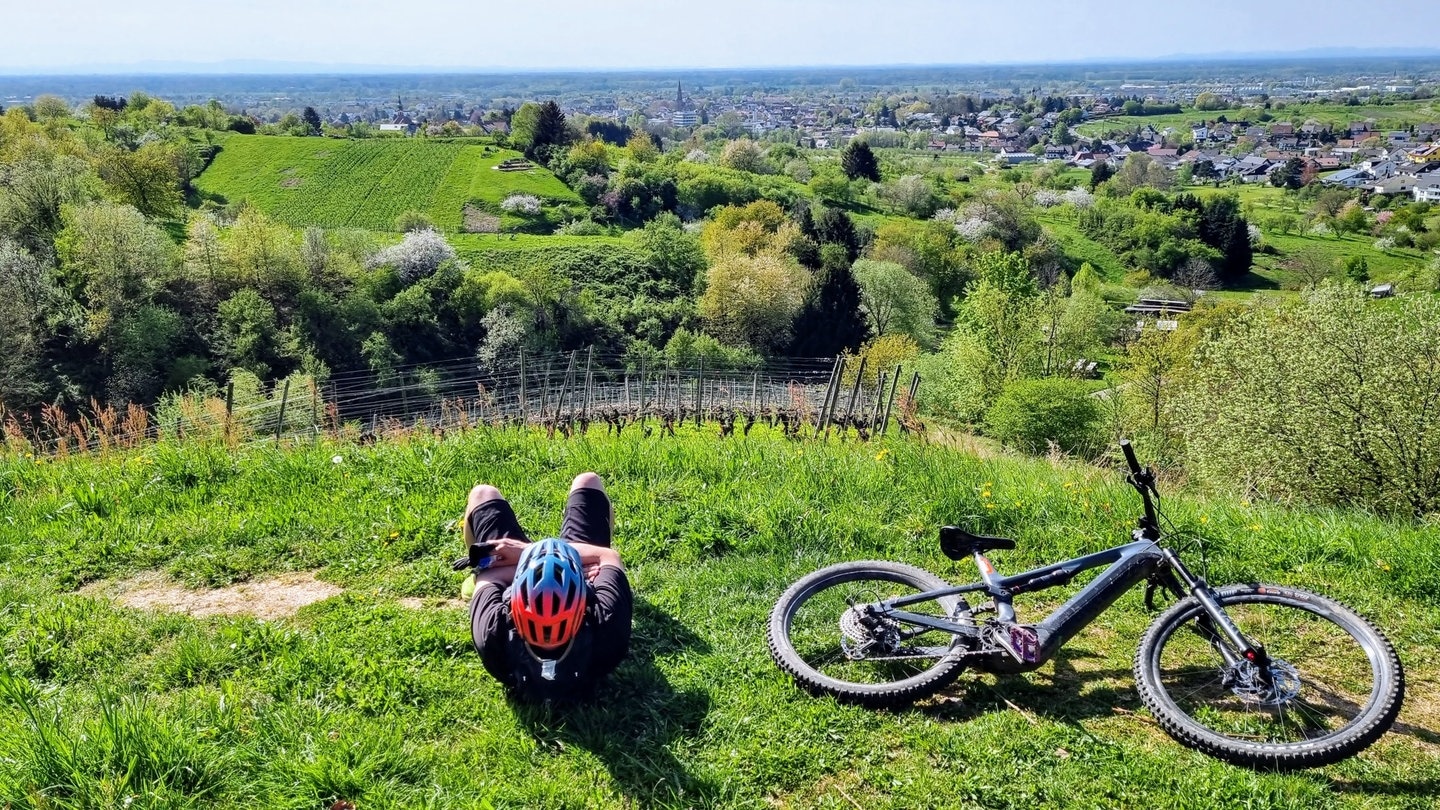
506 552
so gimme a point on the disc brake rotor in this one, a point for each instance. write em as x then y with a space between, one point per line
1284 684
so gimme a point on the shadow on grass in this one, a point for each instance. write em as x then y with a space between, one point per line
1067 696
637 718
1425 789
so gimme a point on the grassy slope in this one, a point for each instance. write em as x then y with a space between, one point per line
362 699
1061 226
368 183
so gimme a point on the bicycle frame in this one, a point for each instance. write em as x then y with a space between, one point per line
1128 566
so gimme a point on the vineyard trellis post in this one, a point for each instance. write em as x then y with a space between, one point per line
854 394
827 412
699 391
834 377
890 401
524 401
284 398
879 401
229 406
585 405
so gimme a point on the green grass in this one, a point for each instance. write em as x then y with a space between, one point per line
1060 224
368 183
362 699
1386 117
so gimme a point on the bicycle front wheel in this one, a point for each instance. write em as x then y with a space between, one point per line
832 634
1333 684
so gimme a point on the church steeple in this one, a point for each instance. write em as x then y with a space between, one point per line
679 97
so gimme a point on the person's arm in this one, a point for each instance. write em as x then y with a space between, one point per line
504 554
596 557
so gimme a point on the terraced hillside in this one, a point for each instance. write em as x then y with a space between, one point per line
368 183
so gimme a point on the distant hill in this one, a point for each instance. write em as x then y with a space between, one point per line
336 183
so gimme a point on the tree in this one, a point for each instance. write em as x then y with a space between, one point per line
857 160
148 178
1100 171
312 121
1223 228
264 254
1210 101
751 300
113 259
1291 175
830 321
1312 265
831 184
539 130
996 340
33 191
34 313
893 300
912 195
550 132
1357 269
743 155
417 256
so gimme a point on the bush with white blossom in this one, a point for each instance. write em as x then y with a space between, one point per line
527 204
1079 197
1045 198
973 229
418 255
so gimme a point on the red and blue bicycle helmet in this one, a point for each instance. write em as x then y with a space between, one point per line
547 600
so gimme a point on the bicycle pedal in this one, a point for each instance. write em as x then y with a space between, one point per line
1023 643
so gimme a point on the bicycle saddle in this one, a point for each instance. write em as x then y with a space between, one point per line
958 544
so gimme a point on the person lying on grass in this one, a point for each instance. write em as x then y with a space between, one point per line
550 619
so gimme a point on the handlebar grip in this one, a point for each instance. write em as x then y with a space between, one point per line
1129 452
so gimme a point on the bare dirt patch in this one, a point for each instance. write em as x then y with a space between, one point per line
264 599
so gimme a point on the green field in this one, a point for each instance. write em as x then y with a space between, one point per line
1388 116
374 696
368 183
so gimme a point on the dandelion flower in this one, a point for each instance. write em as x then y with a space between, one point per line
336 459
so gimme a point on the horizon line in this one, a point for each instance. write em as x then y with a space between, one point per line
280 67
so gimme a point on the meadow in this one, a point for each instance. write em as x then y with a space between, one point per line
375 697
366 184
1384 116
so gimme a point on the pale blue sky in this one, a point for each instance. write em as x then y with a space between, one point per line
541 34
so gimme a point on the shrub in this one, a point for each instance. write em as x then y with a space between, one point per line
582 227
410 221
1329 398
526 204
1031 414
420 254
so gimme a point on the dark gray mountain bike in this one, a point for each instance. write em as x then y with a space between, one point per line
1264 676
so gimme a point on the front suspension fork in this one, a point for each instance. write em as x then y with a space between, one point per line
1239 649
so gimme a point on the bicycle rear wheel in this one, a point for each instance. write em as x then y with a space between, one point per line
827 632
1333 685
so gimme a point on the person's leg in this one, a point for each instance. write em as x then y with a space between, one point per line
589 515
488 517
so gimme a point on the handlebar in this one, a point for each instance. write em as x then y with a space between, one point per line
1143 479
